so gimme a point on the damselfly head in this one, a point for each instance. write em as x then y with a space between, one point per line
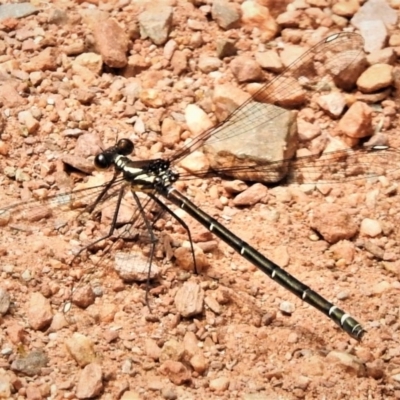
105 159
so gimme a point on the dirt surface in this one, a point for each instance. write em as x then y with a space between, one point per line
229 332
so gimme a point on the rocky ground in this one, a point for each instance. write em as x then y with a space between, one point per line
77 76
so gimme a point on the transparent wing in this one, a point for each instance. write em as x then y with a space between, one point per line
68 211
135 243
330 167
344 166
54 207
97 229
329 58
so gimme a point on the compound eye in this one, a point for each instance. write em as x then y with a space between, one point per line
101 161
125 147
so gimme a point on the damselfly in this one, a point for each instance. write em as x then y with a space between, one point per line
332 57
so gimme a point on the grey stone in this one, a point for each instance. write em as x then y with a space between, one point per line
4 301
57 16
268 134
225 14
374 19
374 33
155 23
225 48
31 364
375 10
189 299
134 267
18 10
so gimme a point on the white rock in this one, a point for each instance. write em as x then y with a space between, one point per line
370 227
197 120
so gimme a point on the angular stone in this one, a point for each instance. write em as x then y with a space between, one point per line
191 344
343 250
16 333
156 22
195 162
172 350
189 299
256 15
39 313
112 42
199 363
133 267
33 392
136 64
213 304
375 10
225 14
251 196
208 64
83 296
280 256
170 132
81 349
246 69
197 120
270 61
92 61
31 364
375 34
179 62
307 131
225 48
80 163
176 372
333 103
245 146
45 60
383 56
357 122
374 249
59 322
90 382
333 223
290 19
16 10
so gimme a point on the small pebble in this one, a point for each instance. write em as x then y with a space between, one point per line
4 301
126 367
219 384
286 307
343 295
370 227
6 351
169 393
